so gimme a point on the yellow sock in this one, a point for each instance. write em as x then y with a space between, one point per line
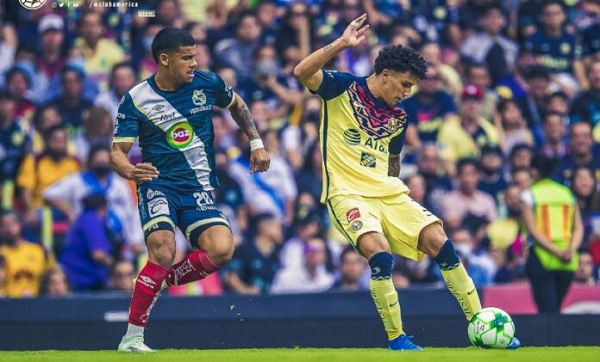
386 301
461 286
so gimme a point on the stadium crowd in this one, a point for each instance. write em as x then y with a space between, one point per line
507 81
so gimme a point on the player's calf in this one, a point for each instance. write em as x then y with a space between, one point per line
458 281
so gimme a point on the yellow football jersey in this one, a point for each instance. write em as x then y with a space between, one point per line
358 133
25 265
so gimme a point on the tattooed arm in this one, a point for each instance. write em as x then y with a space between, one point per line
308 70
259 158
394 165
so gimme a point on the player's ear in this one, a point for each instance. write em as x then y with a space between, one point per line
163 58
385 75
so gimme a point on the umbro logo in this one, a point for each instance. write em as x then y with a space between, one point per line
158 107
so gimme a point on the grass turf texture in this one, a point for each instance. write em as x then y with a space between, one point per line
546 354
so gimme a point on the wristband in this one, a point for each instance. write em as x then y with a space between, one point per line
256 144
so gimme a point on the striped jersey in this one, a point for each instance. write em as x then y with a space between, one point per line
175 128
358 133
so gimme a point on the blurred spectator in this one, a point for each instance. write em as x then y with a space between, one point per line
418 188
294 37
506 238
44 118
352 268
8 46
585 274
521 177
203 57
37 172
590 44
457 204
86 255
307 225
462 138
122 79
555 130
489 46
68 195
51 59
269 86
311 277
55 283
429 108
481 266
451 80
255 262
235 52
532 104
557 102
512 127
19 84
100 53
520 156
583 185
437 20
556 48
15 144
582 152
168 13
586 107
270 192
145 63
421 272
26 262
98 128
491 180
479 76
71 104
437 184
548 208
122 275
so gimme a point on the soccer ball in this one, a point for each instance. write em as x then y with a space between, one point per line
491 328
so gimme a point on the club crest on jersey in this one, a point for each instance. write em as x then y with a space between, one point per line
180 135
198 97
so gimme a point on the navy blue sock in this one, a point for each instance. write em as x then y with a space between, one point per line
447 258
381 265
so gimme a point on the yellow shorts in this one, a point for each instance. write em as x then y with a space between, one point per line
398 217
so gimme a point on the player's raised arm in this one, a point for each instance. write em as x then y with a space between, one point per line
308 71
259 158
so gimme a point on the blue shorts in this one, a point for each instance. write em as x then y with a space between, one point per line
162 208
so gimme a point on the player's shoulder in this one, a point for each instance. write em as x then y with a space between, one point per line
205 77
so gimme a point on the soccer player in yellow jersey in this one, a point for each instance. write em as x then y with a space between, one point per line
363 128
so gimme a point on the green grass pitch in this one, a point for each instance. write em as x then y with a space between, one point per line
545 354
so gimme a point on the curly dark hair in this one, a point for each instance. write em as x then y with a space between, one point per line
401 59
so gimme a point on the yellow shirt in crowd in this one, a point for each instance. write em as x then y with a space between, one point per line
26 263
37 175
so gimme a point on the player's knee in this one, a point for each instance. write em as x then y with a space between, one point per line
372 243
221 253
161 248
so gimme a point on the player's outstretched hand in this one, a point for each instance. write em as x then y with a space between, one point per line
144 172
259 160
353 34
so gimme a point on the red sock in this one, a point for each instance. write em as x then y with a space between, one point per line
195 266
147 288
